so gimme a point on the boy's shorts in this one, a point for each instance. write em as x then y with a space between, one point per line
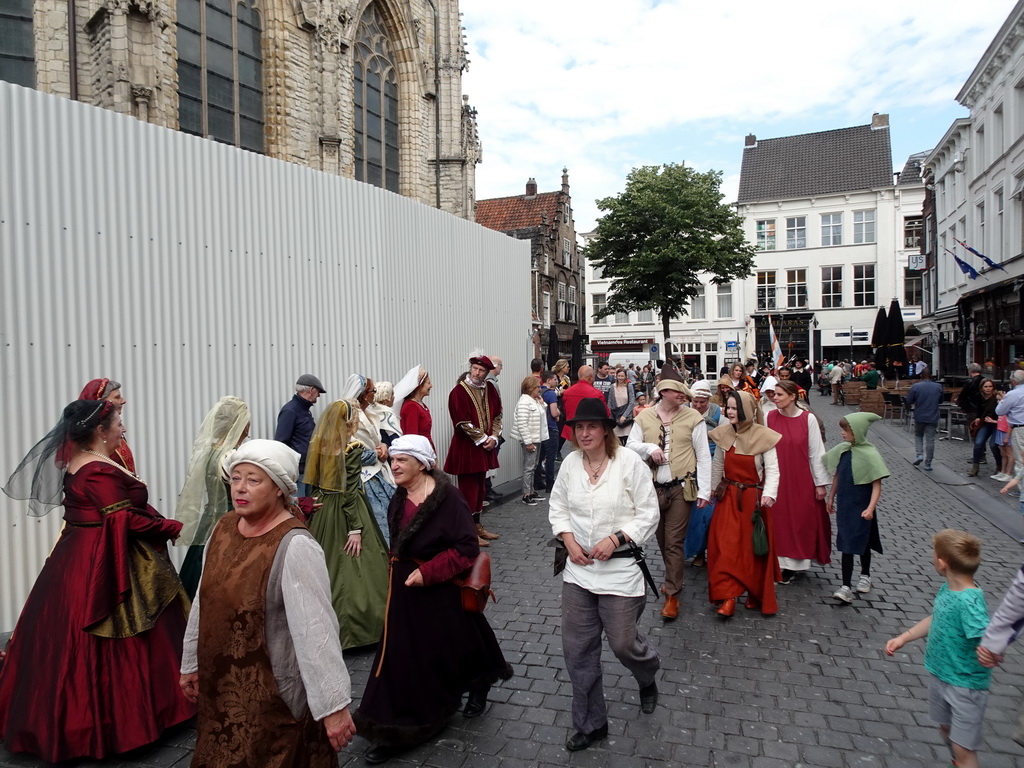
962 709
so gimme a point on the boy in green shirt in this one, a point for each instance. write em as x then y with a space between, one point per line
959 687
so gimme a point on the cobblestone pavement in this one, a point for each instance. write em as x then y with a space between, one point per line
809 687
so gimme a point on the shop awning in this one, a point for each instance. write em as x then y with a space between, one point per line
913 341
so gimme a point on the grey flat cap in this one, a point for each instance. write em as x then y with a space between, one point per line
309 380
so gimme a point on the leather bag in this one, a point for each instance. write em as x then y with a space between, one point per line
475 585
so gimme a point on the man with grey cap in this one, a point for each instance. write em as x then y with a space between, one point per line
295 423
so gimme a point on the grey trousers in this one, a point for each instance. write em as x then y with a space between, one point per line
1017 444
924 440
584 615
529 466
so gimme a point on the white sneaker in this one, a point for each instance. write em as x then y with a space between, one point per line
864 584
1002 477
844 593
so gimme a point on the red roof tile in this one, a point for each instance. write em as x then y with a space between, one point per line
505 214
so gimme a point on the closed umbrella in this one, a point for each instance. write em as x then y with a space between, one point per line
577 353
878 338
552 347
895 337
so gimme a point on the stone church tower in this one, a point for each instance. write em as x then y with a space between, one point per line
367 89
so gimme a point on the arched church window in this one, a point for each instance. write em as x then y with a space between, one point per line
17 45
220 71
376 103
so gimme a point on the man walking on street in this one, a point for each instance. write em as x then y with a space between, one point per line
1012 407
925 396
544 476
475 409
295 423
604 381
674 441
835 378
581 390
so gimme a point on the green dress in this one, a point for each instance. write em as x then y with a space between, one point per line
359 585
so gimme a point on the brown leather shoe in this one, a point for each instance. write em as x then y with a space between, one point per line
482 542
483 533
671 608
728 608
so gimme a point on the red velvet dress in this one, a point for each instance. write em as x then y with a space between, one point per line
416 420
66 692
733 568
801 524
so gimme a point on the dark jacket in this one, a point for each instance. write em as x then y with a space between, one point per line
295 427
969 398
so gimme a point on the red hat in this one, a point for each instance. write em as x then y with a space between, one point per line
483 360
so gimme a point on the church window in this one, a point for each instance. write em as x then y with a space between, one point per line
376 103
17 45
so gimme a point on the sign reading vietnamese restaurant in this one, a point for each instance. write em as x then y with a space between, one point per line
627 345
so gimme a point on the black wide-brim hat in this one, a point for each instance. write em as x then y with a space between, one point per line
591 409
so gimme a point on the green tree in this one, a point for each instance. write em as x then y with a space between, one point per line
658 236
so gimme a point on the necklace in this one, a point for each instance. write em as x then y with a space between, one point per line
595 473
111 461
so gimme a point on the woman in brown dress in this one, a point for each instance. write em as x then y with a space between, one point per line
262 657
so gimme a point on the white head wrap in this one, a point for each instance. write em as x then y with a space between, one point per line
354 386
407 385
416 446
770 382
276 459
700 387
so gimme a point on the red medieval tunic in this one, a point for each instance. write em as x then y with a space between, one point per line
92 668
733 568
475 414
243 720
416 420
801 524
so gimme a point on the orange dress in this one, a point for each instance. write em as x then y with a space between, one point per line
733 568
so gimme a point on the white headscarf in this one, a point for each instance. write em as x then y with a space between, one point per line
407 385
276 459
416 446
354 386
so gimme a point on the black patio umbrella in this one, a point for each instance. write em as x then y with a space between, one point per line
577 353
878 338
552 347
895 338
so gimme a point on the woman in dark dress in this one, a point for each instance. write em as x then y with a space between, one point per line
92 667
432 650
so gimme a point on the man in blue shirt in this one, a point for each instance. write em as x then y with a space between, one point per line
1012 407
544 475
295 423
926 397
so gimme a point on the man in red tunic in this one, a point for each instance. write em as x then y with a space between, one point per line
581 390
475 409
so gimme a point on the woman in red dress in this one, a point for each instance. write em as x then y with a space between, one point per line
107 389
412 411
92 667
745 473
803 532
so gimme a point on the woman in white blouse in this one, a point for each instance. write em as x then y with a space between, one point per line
603 499
530 427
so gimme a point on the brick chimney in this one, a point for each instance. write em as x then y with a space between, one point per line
531 188
750 141
879 120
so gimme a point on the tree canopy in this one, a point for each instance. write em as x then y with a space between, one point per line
658 236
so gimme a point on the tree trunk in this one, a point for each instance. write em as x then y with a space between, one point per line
666 349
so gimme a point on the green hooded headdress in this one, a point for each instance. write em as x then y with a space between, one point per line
868 464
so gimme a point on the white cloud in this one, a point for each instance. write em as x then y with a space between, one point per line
598 86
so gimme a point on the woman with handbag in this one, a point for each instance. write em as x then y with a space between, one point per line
745 472
983 428
432 650
621 399
603 504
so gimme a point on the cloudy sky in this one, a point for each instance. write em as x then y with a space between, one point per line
602 87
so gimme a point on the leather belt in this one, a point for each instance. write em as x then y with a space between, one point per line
668 485
1014 426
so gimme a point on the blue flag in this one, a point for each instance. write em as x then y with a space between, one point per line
966 268
982 256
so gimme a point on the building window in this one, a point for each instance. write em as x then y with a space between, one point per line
725 300
566 252
599 303
766 235
622 318
796 232
765 290
863 227
796 288
220 71
545 314
981 245
17 43
913 228
376 103
698 307
572 304
831 229
912 288
999 249
831 287
563 311
645 316
863 285
566 214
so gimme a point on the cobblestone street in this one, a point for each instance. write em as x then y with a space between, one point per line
811 686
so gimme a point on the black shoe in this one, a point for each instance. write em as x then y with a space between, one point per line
476 703
380 753
649 698
580 740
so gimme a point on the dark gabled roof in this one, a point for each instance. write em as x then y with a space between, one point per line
911 173
829 162
507 214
